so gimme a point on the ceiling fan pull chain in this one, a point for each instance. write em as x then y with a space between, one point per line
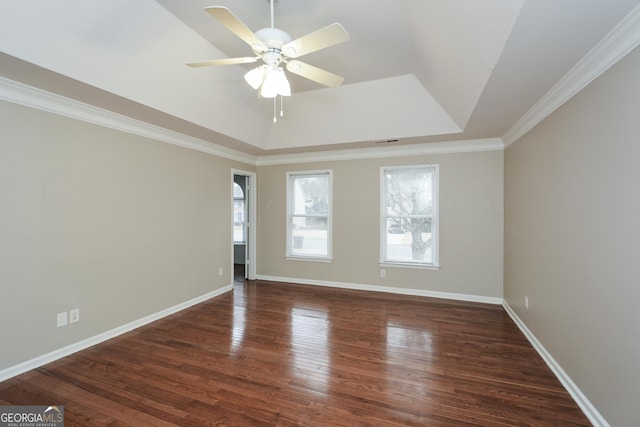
276 49
275 100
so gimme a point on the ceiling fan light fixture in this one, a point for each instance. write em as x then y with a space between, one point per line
274 47
255 76
275 83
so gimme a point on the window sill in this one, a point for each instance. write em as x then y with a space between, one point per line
409 265
303 258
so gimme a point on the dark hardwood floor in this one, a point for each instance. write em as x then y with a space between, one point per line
282 354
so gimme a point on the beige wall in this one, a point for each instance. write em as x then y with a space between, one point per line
122 227
471 207
572 236
114 224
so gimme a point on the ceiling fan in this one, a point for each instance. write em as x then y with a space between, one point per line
275 47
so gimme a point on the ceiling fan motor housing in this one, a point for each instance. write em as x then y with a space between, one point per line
273 38
275 47
273 57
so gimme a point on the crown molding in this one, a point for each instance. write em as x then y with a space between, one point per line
32 97
18 93
616 45
451 147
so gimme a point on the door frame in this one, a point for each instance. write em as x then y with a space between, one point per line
251 220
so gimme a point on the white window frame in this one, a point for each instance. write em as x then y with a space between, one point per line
435 220
290 208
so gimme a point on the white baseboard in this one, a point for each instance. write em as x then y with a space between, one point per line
589 410
39 361
585 405
581 400
387 289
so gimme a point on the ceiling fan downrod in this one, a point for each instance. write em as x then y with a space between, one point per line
277 52
272 18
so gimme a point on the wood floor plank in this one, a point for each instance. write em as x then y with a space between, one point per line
278 354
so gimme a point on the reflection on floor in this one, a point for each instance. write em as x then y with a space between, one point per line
279 354
238 273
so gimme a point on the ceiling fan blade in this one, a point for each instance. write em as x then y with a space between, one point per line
324 37
229 20
314 73
226 61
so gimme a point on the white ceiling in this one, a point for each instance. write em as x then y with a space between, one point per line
415 70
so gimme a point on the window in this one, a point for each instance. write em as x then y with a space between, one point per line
238 214
309 215
409 216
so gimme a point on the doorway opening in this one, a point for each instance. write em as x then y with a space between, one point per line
243 231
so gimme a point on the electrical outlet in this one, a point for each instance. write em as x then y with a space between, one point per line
62 319
383 273
526 303
220 271
74 315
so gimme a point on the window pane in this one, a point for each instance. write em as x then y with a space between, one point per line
237 191
309 236
409 192
309 214
409 240
311 195
238 220
238 232
409 227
